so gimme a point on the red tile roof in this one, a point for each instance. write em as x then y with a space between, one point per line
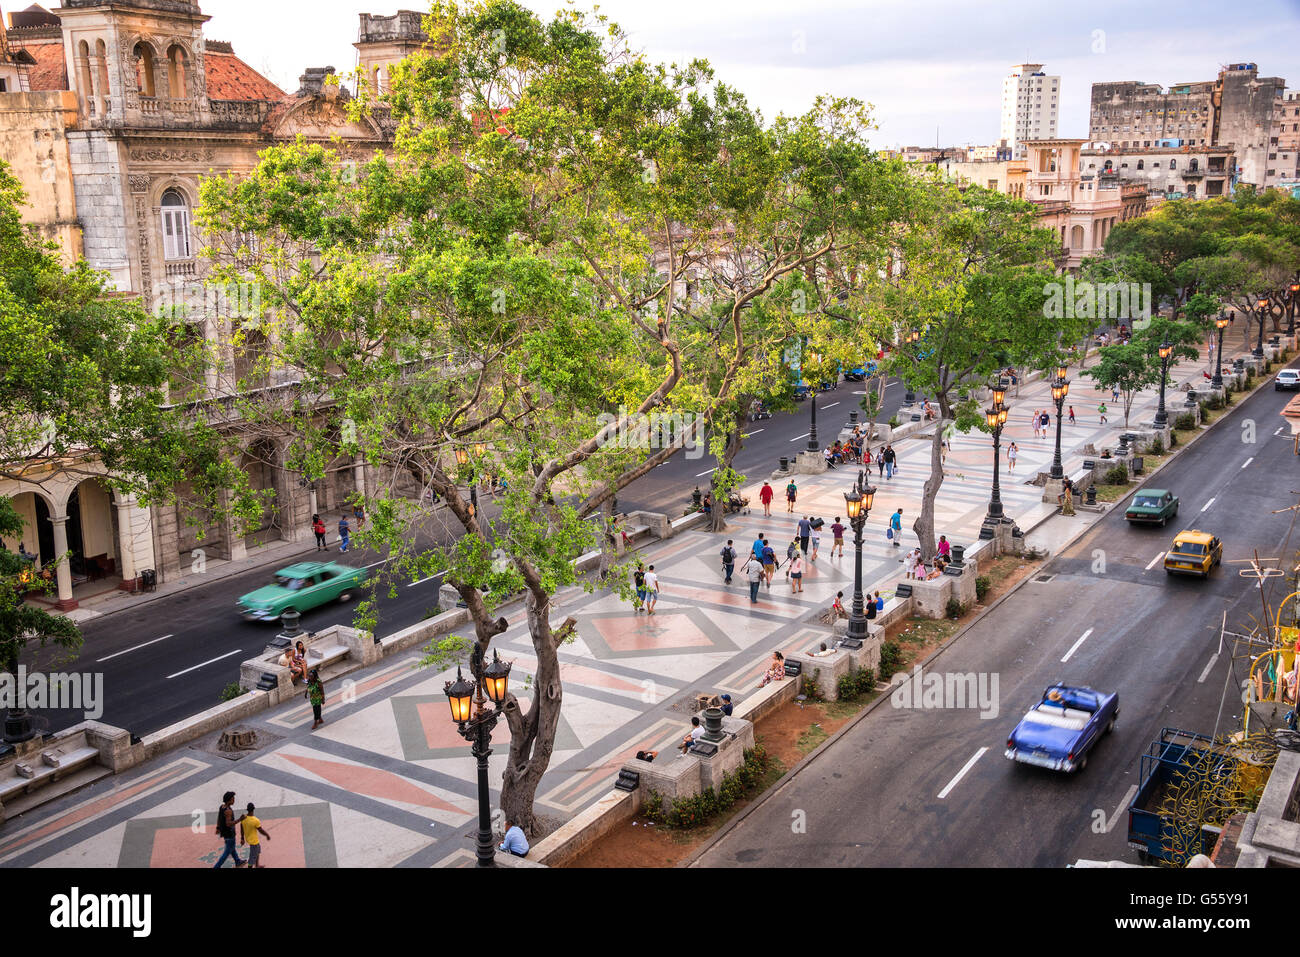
230 78
50 72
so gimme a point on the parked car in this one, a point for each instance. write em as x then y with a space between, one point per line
301 587
1287 379
1193 553
1152 506
1060 730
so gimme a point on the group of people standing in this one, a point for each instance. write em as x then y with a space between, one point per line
345 529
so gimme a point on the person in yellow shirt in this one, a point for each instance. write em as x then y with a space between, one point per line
250 828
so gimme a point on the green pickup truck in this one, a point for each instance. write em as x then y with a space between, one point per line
1152 506
300 587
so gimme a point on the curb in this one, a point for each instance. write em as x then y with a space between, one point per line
862 715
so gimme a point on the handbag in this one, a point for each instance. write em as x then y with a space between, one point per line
889 533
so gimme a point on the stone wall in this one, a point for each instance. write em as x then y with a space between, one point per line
98 180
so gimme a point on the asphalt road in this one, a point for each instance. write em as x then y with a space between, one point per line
931 786
170 658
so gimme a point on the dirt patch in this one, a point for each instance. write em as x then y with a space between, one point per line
788 733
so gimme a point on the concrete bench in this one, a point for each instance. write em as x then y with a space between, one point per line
64 759
43 767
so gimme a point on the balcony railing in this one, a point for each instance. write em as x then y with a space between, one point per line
1193 174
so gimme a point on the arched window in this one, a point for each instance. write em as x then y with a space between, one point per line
83 70
144 71
101 52
1173 164
175 225
1140 162
177 63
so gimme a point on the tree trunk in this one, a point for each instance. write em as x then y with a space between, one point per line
720 495
924 524
610 541
532 734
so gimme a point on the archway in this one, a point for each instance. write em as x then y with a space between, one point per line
262 465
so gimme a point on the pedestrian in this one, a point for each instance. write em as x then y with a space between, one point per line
769 561
651 590
816 542
791 493
345 531
316 695
1033 422
889 461
805 533
765 496
250 829
837 537
226 830
728 562
318 529
1012 452
896 527
791 551
757 546
1114 393
880 462
360 515
1101 413
796 573
755 573
1046 422
638 582
515 842
944 548
913 565
1072 415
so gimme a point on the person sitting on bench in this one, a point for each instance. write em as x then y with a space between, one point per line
693 735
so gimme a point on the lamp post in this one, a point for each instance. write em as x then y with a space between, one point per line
857 502
1261 310
1291 307
475 723
996 418
1165 350
1221 323
1060 389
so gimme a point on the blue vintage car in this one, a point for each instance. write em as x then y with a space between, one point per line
1060 729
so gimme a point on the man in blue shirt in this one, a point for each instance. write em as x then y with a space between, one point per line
758 545
805 530
515 841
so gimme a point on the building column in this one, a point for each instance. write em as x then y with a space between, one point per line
236 549
135 541
62 570
359 475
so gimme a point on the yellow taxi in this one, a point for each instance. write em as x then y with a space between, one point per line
1193 553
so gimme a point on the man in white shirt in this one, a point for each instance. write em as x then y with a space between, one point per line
694 735
652 590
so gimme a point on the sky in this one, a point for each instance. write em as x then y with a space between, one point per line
932 71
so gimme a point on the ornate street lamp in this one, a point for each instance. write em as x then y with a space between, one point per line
910 338
857 502
1261 310
1165 351
474 721
1060 389
1291 308
1221 323
462 457
479 449
996 418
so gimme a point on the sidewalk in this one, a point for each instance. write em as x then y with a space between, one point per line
388 781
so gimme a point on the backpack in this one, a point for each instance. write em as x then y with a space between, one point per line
728 555
223 829
639 578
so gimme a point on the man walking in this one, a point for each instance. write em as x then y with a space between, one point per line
805 532
896 527
837 533
638 582
226 830
889 461
765 496
1101 413
791 493
754 569
251 828
1072 415
344 532
651 590
728 562
768 554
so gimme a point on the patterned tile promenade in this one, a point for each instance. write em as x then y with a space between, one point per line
387 781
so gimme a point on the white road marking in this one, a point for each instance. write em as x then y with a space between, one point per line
422 581
1123 804
755 432
116 653
1154 560
1210 664
962 773
798 437
1248 461
202 663
831 406
709 472
1207 505
1075 647
380 562
1279 430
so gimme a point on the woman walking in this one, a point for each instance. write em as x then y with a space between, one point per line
796 573
318 529
1012 452
316 695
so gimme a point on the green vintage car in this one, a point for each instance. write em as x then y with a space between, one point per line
300 587
1152 506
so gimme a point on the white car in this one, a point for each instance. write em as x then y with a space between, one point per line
1287 379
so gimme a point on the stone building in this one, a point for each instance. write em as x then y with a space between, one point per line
1030 106
1237 110
1167 172
1283 168
112 114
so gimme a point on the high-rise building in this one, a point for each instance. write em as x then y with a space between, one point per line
1030 105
